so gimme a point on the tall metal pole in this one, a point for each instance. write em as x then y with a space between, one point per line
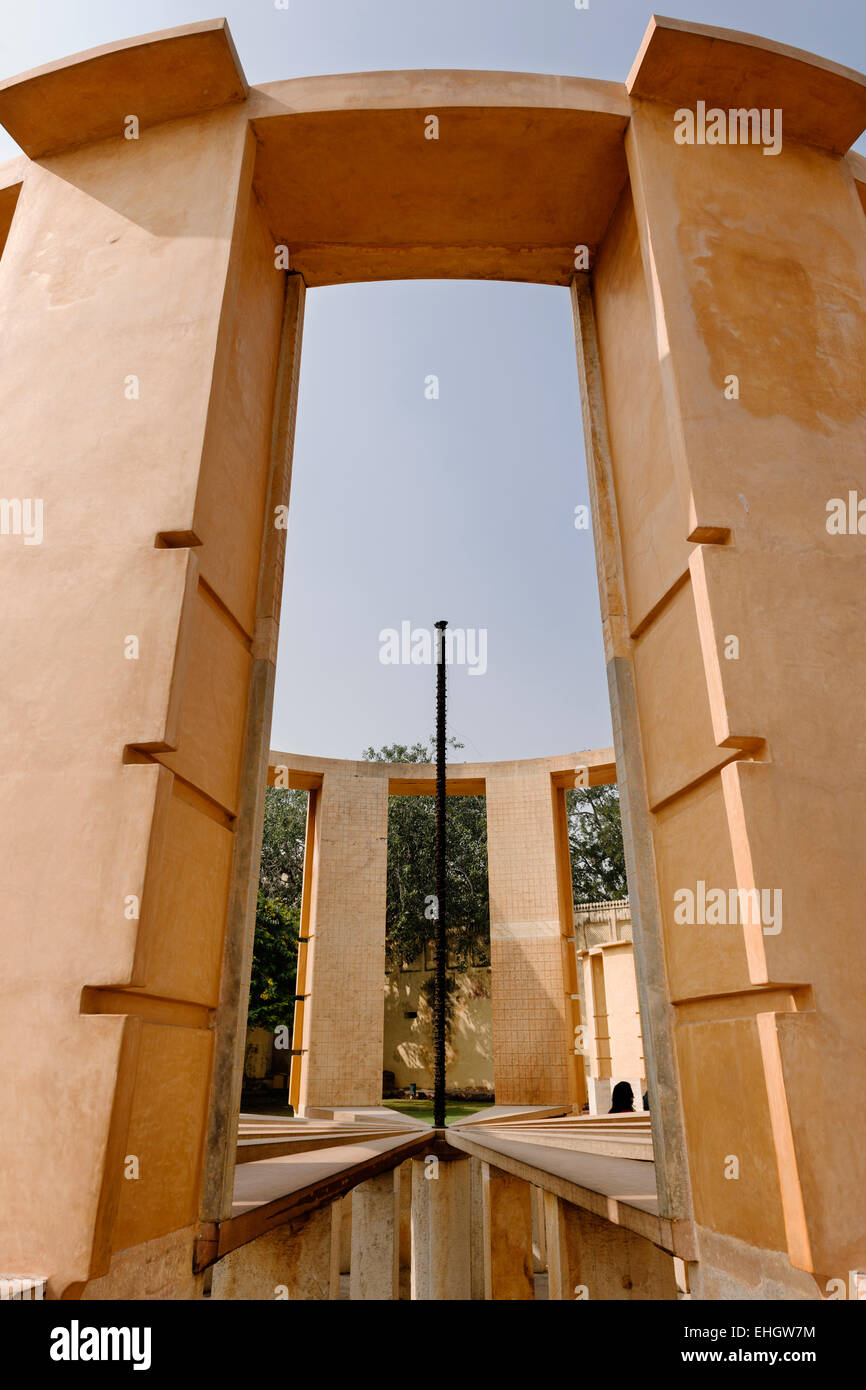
441 948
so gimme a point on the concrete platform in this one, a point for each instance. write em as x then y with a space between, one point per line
290 1166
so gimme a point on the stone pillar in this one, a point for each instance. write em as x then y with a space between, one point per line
230 1019
539 1242
591 1258
441 1261
598 1021
722 451
336 1210
376 1238
139 281
533 1059
295 1263
343 1027
346 1234
557 1233
301 974
626 1044
507 1224
405 1259
476 1230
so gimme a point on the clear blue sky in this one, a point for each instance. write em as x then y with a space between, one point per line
495 466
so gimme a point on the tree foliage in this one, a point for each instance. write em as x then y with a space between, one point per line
275 964
282 869
595 836
278 909
411 886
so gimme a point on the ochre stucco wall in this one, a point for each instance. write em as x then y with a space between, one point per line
154 259
749 763
408 1051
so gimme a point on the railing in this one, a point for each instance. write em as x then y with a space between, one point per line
596 924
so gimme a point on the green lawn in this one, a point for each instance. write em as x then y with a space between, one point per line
423 1109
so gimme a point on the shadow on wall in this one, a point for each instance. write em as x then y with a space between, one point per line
408 1051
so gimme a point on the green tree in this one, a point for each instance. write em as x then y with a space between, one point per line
411 883
275 964
595 837
281 874
278 909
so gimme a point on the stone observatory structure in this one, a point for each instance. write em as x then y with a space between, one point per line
158 236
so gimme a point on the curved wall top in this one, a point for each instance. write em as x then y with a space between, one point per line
302 772
526 167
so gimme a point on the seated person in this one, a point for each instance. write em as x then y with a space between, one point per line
622 1100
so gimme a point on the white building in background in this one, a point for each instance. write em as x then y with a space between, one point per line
608 1002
